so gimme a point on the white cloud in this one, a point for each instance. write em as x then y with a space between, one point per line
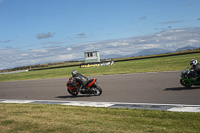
15 58
25 55
64 57
171 45
142 40
168 40
39 50
69 49
158 35
193 41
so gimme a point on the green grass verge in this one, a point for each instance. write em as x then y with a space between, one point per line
172 63
39 118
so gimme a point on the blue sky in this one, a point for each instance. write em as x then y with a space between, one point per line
38 25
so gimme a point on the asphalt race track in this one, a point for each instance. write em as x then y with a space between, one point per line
160 88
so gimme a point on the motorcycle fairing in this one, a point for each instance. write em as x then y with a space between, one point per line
90 82
70 86
189 78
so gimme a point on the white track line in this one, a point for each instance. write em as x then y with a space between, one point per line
149 106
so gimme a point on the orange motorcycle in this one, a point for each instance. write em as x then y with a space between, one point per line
91 87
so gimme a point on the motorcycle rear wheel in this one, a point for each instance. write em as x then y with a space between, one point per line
185 83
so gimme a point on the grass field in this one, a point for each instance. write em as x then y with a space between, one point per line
172 63
37 118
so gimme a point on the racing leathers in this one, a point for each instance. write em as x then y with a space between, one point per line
196 69
82 80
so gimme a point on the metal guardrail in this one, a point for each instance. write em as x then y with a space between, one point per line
14 72
139 58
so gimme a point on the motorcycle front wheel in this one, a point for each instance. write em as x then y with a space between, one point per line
73 93
97 91
185 83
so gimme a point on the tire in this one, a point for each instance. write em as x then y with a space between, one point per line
185 83
73 93
97 91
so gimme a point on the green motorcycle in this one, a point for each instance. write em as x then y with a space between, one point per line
189 78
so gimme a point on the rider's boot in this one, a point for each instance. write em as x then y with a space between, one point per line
79 87
198 80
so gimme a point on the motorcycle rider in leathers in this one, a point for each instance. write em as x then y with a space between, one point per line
196 67
82 80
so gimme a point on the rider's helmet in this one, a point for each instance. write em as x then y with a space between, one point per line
193 62
74 72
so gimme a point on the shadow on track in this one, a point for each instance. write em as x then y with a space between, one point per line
79 96
181 88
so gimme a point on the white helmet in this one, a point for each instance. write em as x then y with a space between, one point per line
74 73
193 62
